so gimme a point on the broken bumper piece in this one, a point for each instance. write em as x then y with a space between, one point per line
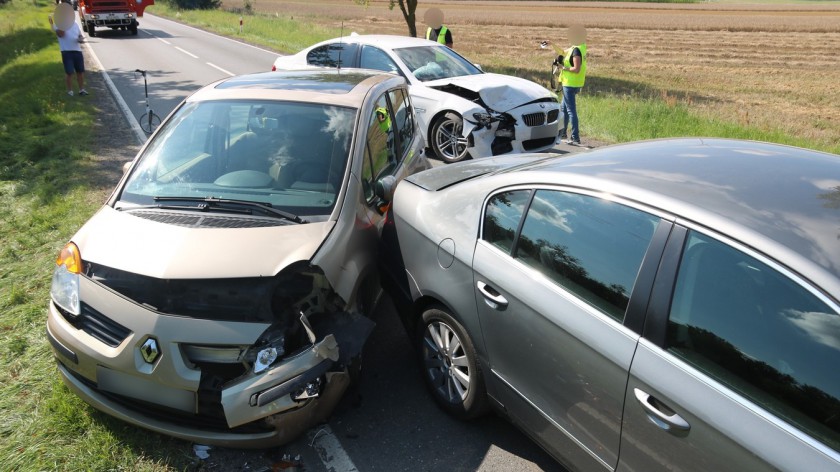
183 391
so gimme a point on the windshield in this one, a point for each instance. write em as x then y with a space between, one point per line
435 62
286 154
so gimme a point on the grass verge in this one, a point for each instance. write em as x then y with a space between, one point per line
45 195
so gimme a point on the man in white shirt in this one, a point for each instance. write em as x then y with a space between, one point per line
69 41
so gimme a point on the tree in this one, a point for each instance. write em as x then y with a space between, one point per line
408 9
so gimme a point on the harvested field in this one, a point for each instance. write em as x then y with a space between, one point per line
773 66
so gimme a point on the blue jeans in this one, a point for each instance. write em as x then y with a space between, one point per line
569 111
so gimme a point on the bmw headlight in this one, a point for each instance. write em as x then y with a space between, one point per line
65 281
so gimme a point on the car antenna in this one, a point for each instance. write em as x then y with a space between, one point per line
340 46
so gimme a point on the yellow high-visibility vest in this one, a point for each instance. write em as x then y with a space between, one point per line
570 79
441 36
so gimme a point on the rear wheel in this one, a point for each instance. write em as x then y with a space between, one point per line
447 140
450 365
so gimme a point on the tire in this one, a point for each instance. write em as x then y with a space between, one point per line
149 126
555 77
91 30
133 30
446 140
450 365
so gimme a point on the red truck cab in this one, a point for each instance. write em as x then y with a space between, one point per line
114 14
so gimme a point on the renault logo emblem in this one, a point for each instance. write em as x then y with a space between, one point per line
149 350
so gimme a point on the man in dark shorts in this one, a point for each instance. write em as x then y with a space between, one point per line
69 41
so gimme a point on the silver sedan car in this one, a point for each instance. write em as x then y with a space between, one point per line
663 305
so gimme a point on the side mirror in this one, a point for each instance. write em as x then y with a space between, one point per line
479 67
127 166
385 186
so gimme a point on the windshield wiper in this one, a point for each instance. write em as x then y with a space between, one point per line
208 203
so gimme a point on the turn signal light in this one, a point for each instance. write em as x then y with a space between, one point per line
70 258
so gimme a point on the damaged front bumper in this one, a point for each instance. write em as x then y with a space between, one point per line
530 128
194 378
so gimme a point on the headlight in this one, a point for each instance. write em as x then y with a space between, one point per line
65 282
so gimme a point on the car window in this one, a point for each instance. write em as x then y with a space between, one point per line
502 217
759 332
435 62
291 155
377 59
380 147
403 119
590 246
333 55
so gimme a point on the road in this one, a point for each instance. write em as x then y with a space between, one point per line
390 423
179 60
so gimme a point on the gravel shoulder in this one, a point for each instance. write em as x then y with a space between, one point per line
114 143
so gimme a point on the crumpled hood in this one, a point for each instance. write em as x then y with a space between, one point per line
499 92
126 242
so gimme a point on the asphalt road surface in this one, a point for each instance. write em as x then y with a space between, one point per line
389 423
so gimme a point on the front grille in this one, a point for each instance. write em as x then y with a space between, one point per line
97 325
534 119
553 115
202 221
541 143
251 299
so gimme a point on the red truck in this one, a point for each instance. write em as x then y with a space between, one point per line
114 14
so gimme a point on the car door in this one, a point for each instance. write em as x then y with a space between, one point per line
552 289
740 369
392 149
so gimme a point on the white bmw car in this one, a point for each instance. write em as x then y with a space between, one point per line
462 111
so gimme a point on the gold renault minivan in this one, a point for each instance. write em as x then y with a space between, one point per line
220 295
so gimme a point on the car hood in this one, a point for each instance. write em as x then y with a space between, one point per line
499 92
124 241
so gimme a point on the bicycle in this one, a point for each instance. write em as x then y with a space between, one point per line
149 121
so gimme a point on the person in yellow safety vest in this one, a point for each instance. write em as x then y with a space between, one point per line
572 77
441 35
436 31
383 119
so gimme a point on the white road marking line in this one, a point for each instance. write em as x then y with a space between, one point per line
329 449
135 126
163 40
219 68
186 52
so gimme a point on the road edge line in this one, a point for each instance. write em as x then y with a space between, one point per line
214 34
115 94
329 449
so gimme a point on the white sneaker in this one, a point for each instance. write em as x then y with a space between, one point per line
83 92
70 92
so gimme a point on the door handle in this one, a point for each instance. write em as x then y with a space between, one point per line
494 299
667 419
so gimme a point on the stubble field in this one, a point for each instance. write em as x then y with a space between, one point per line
771 66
